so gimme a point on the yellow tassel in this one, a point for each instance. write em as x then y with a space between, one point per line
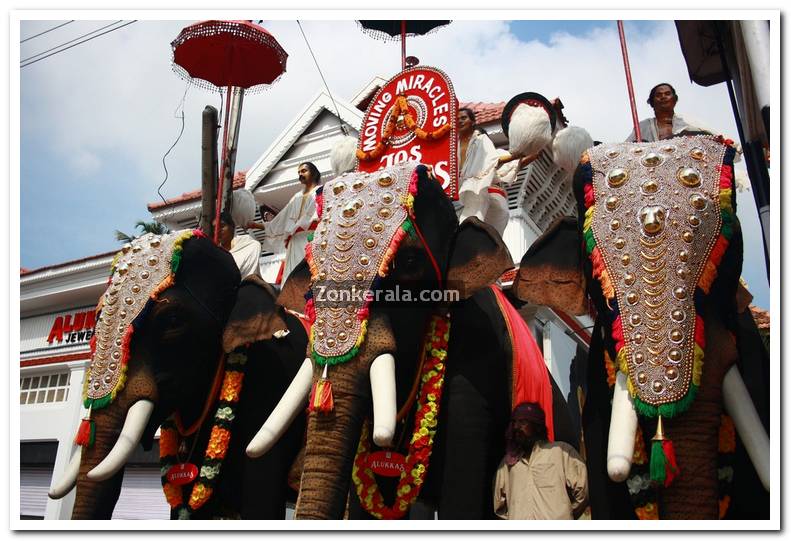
588 218
697 365
620 361
725 199
321 399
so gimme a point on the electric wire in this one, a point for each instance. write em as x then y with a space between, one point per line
164 165
68 42
74 45
342 124
45 31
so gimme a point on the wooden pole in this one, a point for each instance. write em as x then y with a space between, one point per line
637 135
208 169
403 45
218 205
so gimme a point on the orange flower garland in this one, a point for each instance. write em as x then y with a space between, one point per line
421 444
216 449
401 108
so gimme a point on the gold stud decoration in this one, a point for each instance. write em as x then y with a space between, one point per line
654 237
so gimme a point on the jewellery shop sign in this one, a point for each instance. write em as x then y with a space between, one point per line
72 328
412 118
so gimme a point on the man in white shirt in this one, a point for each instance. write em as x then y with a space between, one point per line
538 479
481 174
246 251
289 229
666 123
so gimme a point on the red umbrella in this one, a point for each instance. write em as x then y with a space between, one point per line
219 54
235 56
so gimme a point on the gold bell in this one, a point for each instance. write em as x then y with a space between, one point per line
660 431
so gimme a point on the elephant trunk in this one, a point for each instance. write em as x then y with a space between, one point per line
695 435
97 499
333 437
329 454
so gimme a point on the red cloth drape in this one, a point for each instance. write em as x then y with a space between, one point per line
530 374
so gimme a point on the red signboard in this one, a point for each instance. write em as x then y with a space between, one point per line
74 328
387 463
181 474
413 118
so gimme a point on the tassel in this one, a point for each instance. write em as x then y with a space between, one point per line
321 395
86 434
664 467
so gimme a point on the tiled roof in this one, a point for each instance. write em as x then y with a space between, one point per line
239 179
485 112
761 317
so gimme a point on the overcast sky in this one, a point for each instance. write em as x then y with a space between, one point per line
96 120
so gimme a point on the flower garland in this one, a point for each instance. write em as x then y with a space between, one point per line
401 110
421 444
216 449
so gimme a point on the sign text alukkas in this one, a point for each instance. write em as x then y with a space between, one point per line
73 328
432 104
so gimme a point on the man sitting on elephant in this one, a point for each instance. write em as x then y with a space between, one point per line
246 251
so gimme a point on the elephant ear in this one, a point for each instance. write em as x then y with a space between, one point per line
743 298
551 272
292 295
478 257
255 315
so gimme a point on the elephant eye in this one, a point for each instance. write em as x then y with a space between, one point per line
170 322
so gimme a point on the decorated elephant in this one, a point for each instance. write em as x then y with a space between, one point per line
658 249
439 378
181 343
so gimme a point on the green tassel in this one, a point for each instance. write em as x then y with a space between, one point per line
590 241
727 224
658 463
667 410
310 236
409 228
321 360
175 261
98 403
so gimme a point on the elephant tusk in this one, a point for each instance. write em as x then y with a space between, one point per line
740 407
136 420
69 478
383 393
291 404
623 426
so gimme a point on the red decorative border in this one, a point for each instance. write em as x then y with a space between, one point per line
85 355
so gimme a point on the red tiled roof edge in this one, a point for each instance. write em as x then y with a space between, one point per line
760 316
239 179
485 112
24 272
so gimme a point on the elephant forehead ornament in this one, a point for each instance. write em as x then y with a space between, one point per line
363 217
657 224
140 272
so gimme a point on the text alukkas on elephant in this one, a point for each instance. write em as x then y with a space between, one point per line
173 306
431 252
659 246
